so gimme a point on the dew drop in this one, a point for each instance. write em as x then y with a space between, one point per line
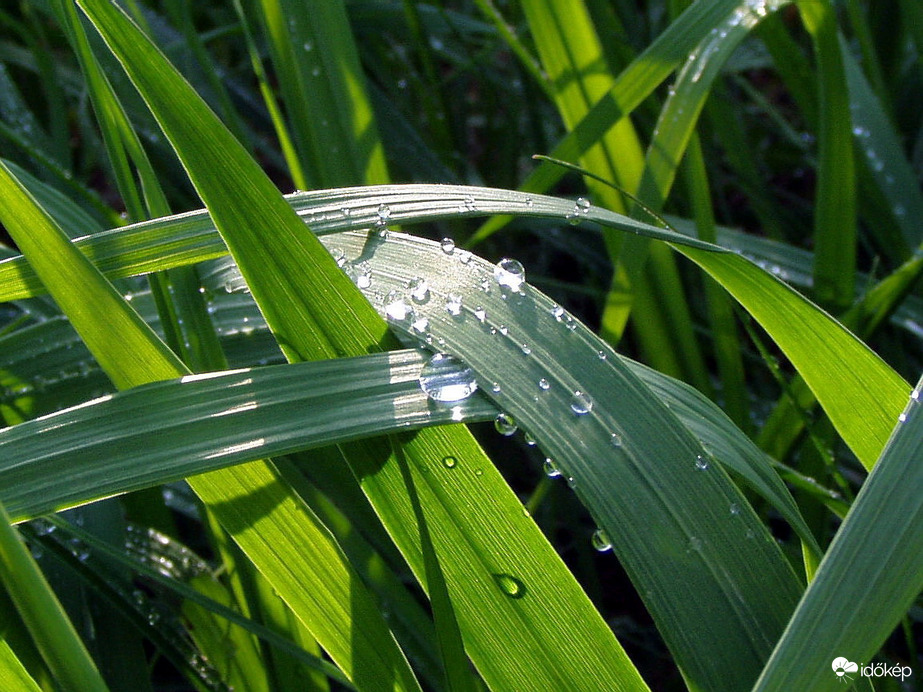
601 541
544 385
510 585
735 508
701 463
397 309
453 304
529 440
615 440
550 468
601 355
510 274
526 349
695 543
503 329
420 324
384 214
557 312
581 404
449 462
504 424
915 395
464 257
480 313
470 205
495 387
901 418
447 245
446 378
419 289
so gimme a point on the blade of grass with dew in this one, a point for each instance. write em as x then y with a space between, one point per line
287 266
875 564
53 633
859 391
138 356
596 421
13 676
236 416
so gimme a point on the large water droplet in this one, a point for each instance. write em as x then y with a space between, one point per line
581 404
601 541
446 378
447 245
505 424
510 274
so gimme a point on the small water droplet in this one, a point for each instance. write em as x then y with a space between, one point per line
735 508
901 418
478 472
557 312
495 387
420 324
504 424
615 440
447 245
701 463
449 462
571 482
544 384
453 304
550 468
529 440
510 274
464 257
526 349
419 289
480 313
601 541
510 585
446 378
384 214
601 355
915 395
503 329
695 543
470 205
581 404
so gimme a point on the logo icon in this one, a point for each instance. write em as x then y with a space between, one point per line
841 666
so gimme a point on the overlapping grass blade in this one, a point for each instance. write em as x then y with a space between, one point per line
875 565
858 390
138 356
283 269
232 417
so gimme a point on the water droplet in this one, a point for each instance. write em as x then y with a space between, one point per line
397 309
901 418
419 289
557 312
495 387
504 424
695 543
510 274
469 204
550 468
384 214
447 245
478 472
526 349
615 440
915 395
480 313
581 404
420 324
453 304
544 384
530 203
601 355
308 46
601 541
529 440
503 329
581 207
510 585
446 378
449 462
701 463
571 482
464 257
735 508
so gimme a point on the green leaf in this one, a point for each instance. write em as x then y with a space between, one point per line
871 573
13 676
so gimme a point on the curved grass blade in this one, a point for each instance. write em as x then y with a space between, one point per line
858 390
682 530
875 564
284 268
121 442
